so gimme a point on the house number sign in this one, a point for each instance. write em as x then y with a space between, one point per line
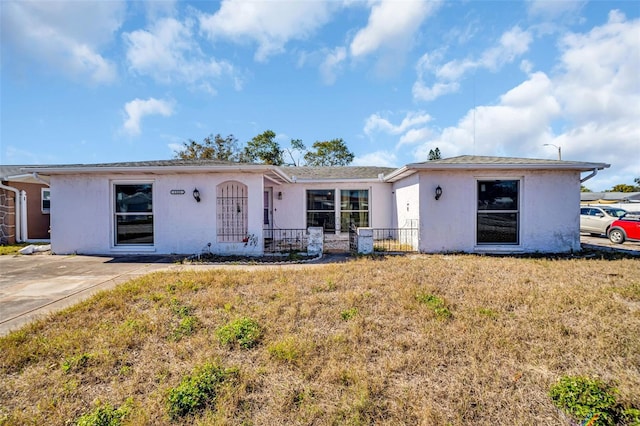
177 192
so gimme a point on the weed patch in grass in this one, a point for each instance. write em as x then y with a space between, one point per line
186 321
244 332
106 415
287 350
436 304
198 390
349 314
76 363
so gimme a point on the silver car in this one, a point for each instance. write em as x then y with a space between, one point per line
597 220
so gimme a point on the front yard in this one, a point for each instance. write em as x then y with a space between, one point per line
418 339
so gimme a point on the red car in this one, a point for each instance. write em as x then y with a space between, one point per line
625 228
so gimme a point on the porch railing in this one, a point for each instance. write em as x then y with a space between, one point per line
285 240
395 239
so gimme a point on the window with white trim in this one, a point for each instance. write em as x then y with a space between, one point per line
231 209
321 209
498 217
354 208
45 200
133 214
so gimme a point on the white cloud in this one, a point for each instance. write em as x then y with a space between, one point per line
168 52
414 136
391 24
391 32
435 80
518 124
332 64
590 107
513 43
63 35
378 158
269 24
553 9
425 93
377 123
137 109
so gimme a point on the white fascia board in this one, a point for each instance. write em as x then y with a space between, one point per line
400 173
159 170
583 167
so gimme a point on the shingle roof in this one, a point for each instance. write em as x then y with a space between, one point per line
6 171
153 163
474 160
336 172
609 196
287 173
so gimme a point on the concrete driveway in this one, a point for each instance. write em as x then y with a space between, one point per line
36 285
603 243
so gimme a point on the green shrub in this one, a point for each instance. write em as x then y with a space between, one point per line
197 391
245 332
436 304
349 313
586 399
105 415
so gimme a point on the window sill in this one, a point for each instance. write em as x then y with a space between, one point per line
488 248
130 249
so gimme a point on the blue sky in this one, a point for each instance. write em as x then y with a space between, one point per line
106 81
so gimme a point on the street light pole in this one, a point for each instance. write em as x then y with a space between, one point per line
559 150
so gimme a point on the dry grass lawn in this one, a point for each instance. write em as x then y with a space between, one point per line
353 343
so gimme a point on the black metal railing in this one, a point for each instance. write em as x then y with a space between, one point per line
284 240
395 239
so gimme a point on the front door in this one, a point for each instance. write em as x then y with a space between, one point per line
268 212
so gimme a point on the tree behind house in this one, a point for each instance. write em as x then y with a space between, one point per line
263 149
212 148
329 153
434 154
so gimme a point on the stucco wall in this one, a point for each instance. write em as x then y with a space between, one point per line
407 202
181 225
549 214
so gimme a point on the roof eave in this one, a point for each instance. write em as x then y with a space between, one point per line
155 169
583 167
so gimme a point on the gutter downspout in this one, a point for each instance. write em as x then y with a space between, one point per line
37 177
589 176
18 211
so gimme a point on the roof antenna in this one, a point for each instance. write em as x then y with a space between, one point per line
474 112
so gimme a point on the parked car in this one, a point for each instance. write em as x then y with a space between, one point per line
627 228
596 220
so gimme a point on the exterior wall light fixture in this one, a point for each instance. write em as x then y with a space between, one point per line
280 195
438 192
196 194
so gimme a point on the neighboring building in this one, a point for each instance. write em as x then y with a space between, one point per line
24 206
463 204
629 201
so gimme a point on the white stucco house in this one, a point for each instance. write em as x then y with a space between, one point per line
463 204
